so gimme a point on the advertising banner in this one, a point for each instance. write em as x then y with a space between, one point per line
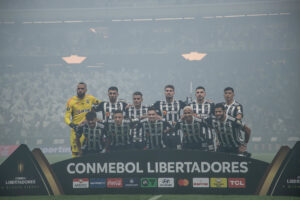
158 172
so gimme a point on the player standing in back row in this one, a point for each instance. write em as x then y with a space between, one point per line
204 109
136 112
107 108
170 109
76 108
233 108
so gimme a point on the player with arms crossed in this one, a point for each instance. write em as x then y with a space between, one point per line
191 128
94 132
233 135
119 132
154 130
76 109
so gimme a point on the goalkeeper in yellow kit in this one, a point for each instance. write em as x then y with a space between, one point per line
76 108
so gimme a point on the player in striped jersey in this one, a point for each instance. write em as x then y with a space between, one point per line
154 130
191 128
233 135
107 108
136 112
94 132
170 110
119 132
233 108
204 109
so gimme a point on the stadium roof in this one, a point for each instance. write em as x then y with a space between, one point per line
15 11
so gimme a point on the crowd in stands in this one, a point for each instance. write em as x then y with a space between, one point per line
255 56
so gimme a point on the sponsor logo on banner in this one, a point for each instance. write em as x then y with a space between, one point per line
114 183
166 182
183 182
200 182
97 183
131 182
236 183
81 183
148 182
218 182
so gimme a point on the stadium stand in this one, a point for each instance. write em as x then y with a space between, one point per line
257 55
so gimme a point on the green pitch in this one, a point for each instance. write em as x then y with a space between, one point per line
148 197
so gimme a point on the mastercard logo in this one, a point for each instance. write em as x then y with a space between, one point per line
183 182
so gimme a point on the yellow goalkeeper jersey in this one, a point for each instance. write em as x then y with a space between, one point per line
77 108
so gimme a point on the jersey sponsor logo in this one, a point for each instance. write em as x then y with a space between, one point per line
131 182
200 182
236 183
218 182
166 182
81 183
183 182
148 182
97 183
114 183
82 111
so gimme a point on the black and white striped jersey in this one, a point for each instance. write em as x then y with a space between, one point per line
135 114
203 110
107 109
234 109
119 135
95 138
193 133
229 132
169 111
154 133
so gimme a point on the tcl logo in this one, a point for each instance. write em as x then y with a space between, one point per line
114 183
236 183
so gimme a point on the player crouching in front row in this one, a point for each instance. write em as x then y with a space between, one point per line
94 132
193 136
233 134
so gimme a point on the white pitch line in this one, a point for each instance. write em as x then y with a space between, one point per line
209 17
155 197
121 20
168 19
233 16
141 20
273 14
79 21
284 13
256 15
189 18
